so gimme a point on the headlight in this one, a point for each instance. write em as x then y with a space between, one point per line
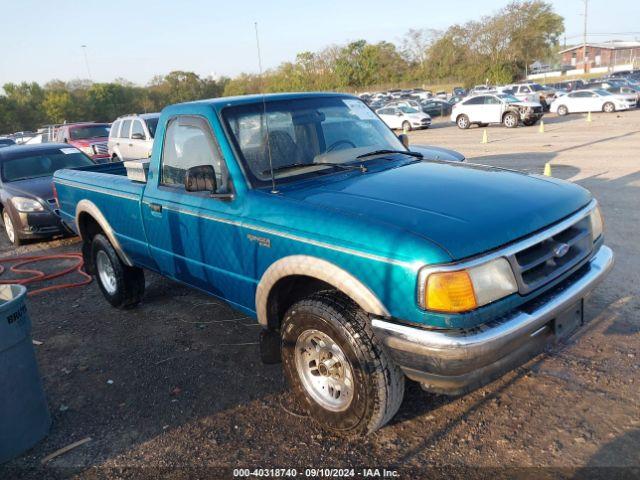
463 290
597 225
87 150
26 204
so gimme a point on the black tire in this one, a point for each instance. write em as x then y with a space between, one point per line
608 107
529 123
563 110
463 122
406 126
9 224
128 287
378 384
511 120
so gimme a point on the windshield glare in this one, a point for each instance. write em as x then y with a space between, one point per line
602 92
41 165
93 131
507 98
311 132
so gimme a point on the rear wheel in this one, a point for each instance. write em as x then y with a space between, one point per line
609 107
10 229
463 122
510 120
336 366
121 285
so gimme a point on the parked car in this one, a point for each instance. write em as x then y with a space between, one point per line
6 142
421 94
363 262
567 85
619 89
436 107
132 136
89 137
501 108
459 92
26 192
404 118
533 92
596 100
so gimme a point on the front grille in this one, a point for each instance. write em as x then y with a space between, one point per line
545 261
100 148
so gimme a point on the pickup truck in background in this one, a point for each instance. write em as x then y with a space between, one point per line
365 262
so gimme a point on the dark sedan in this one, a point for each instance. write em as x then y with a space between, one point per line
435 107
6 142
26 191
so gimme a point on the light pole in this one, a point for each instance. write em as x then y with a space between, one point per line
584 37
86 61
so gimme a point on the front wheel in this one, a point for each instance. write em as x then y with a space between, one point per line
563 110
609 107
510 120
10 229
336 366
406 126
121 285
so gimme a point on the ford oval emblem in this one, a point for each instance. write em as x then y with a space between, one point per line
560 250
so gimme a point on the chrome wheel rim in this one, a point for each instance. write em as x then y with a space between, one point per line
608 108
106 272
462 122
8 227
324 370
509 120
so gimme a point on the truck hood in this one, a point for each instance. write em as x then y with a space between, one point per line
88 141
465 209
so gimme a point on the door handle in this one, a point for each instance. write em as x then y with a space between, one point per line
155 207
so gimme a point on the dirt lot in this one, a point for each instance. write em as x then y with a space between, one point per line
177 383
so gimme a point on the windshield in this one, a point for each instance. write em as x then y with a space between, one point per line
89 131
152 124
306 133
42 164
408 110
507 98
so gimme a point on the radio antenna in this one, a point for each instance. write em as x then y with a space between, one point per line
264 111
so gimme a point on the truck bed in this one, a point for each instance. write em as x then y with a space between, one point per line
116 196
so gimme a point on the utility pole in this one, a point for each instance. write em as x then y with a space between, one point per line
86 61
584 38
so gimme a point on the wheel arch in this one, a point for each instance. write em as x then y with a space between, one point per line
292 278
90 221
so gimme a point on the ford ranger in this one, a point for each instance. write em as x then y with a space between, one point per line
365 262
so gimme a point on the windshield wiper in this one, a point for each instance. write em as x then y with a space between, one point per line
291 166
382 152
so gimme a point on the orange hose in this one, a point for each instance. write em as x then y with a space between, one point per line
40 276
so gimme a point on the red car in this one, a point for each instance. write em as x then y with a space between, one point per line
91 138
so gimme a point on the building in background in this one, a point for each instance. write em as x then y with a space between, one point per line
600 57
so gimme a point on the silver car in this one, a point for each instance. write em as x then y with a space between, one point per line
131 136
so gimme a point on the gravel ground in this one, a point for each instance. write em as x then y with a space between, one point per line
176 388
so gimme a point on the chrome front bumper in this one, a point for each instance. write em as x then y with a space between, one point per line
457 361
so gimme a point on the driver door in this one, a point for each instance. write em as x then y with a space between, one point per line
192 236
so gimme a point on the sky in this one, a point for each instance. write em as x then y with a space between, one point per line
135 40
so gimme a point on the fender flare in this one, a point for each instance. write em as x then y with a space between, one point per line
321 270
88 207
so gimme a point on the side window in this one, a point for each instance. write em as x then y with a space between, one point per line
475 101
188 142
113 133
488 100
124 130
525 89
137 128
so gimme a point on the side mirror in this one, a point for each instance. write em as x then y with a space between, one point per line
404 139
137 136
200 179
399 114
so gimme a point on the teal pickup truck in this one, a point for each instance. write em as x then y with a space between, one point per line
364 261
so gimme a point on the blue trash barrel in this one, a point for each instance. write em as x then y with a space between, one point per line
24 415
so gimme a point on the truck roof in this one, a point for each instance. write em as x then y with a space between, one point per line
221 102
